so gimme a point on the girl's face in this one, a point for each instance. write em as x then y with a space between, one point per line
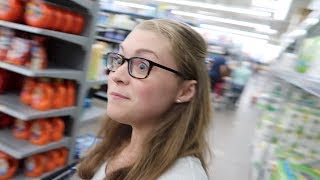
142 102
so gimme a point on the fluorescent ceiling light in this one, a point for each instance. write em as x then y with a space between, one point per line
222 20
312 21
133 5
218 7
267 30
234 31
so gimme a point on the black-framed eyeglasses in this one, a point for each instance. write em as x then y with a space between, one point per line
137 67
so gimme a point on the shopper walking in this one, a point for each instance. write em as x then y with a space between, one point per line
158 108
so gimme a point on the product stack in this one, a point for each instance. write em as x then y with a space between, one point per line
287 137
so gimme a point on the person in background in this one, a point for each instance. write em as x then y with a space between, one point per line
239 78
217 72
158 108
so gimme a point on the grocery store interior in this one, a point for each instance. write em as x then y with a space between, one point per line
263 61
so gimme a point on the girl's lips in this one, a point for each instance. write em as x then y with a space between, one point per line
119 95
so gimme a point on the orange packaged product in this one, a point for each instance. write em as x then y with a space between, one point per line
40 132
78 23
34 166
8 166
59 100
43 95
71 93
59 19
51 164
58 129
21 129
63 156
39 14
11 10
69 22
27 90
19 51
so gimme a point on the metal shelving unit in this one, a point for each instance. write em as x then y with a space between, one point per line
127 13
101 94
20 148
74 63
75 39
309 84
99 82
50 73
108 40
11 105
93 113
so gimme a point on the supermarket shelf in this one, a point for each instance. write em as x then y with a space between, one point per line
103 27
84 3
11 105
101 94
92 83
127 13
19 148
52 73
108 39
93 113
79 40
23 177
309 84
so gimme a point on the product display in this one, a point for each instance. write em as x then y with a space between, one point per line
8 166
43 94
40 131
6 36
11 10
46 44
289 129
97 64
42 15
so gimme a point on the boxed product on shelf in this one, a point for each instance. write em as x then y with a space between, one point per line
97 65
83 144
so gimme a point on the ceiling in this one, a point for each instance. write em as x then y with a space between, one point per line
279 25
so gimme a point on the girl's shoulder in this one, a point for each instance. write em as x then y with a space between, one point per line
186 168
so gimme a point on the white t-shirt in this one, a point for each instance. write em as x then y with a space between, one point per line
187 168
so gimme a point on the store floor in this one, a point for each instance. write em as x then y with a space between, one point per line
230 137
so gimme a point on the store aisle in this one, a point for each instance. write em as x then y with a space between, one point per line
230 137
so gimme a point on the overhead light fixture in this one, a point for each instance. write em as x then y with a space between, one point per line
219 7
234 31
312 21
133 5
267 31
218 19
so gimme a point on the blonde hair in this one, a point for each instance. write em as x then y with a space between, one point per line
182 130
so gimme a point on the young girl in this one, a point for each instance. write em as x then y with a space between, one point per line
158 108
